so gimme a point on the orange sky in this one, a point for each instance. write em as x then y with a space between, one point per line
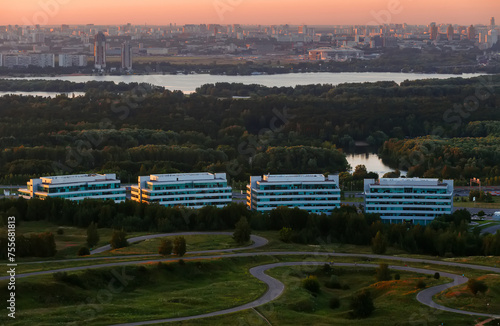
312 12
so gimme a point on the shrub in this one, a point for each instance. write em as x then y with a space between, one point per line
383 273
83 251
311 284
361 304
92 235
182 262
179 248
71 279
305 305
333 282
60 231
421 284
476 286
166 247
397 277
379 244
345 286
437 275
334 302
286 234
119 239
242 231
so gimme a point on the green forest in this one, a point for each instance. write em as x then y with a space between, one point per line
442 128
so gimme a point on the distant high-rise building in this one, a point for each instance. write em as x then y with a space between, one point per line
100 51
433 31
492 22
126 56
471 33
450 32
303 29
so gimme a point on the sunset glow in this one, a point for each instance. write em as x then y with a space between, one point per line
316 12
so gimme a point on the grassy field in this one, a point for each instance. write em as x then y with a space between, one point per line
394 301
468 204
148 292
460 297
171 290
193 243
68 243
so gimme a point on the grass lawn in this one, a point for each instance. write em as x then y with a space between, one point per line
395 303
460 297
468 204
151 292
193 243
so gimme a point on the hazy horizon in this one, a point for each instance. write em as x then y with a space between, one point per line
247 12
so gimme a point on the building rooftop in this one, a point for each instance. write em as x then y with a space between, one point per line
408 182
62 179
293 177
187 176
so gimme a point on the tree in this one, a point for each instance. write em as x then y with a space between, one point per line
92 235
383 273
311 284
83 251
361 304
437 276
242 231
118 239
166 247
179 248
286 234
379 244
476 286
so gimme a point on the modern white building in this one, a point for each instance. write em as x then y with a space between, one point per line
414 200
75 187
312 192
193 190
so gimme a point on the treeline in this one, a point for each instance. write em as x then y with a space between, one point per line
448 235
41 85
35 245
455 158
281 130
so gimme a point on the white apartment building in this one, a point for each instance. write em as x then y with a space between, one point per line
75 187
193 190
312 192
414 200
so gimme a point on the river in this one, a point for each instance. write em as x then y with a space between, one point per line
189 83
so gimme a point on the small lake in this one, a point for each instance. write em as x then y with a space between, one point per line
372 162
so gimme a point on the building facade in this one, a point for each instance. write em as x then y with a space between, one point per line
126 56
414 200
75 187
100 51
312 192
193 190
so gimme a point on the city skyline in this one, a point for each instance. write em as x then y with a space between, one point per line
156 12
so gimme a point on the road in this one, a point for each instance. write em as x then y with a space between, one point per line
275 287
491 229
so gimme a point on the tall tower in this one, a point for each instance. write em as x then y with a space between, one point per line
450 32
471 33
100 51
433 30
126 56
492 22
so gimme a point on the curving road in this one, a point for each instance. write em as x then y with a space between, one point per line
491 229
275 287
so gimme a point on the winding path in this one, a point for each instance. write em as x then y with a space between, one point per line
275 287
